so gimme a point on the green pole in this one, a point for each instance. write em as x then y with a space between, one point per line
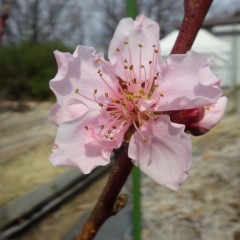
132 8
136 175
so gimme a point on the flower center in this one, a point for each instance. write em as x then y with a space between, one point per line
134 102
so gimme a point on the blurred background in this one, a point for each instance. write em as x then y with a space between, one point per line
206 207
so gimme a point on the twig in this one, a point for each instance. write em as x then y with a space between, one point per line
194 14
109 203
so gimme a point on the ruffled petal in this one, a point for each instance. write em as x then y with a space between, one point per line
80 75
59 114
187 82
71 150
213 114
133 44
166 156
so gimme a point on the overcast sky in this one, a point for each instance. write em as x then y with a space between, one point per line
219 8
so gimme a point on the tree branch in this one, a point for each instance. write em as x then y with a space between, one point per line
108 203
194 14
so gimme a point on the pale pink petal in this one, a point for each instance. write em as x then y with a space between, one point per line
70 149
187 82
213 114
59 114
79 77
166 156
143 31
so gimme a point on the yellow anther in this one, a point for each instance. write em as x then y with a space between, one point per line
102 126
98 61
125 42
142 92
155 50
145 139
86 127
76 90
106 94
131 67
114 100
156 85
161 94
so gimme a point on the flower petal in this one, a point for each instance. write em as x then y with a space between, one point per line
187 82
166 156
127 37
213 114
79 77
70 149
59 114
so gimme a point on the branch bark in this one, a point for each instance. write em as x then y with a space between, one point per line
108 203
194 14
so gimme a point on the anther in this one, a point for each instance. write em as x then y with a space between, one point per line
102 126
95 91
77 90
161 94
125 67
134 81
140 45
99 71
125 42
155 50
106 94
145 139
86 127
109 131
131 67
117 49
100 104
142 66
150 62
114 127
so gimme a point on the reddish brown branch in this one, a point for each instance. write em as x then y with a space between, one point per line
106 205
194 14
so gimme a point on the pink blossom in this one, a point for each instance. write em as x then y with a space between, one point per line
102 103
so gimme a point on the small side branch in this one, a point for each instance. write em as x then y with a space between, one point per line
194 14
109 203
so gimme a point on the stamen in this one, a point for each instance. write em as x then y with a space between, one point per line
145 139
